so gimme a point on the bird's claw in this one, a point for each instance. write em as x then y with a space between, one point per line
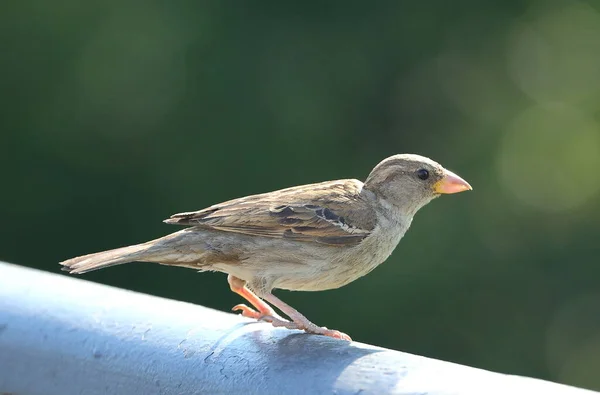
336 334
278 322
269 316
247 311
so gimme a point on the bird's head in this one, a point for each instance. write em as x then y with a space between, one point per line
408 182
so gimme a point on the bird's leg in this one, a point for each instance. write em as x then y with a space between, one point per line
264 313
301 321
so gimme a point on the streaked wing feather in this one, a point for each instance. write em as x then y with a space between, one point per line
333 213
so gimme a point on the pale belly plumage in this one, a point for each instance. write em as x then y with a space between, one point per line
333 267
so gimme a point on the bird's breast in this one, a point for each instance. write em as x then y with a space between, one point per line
376 248
336 267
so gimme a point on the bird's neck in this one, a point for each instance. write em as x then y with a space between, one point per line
393 213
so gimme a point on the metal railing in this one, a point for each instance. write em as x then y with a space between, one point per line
61 335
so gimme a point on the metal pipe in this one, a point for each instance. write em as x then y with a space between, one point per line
61 335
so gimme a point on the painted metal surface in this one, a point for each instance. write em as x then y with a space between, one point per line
63 335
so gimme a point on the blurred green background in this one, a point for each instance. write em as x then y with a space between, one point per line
116 114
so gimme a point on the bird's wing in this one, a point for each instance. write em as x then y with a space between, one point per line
333 212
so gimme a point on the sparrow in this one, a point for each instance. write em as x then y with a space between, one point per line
305 238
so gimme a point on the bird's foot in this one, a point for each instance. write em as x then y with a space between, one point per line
329 332
274 319
267 316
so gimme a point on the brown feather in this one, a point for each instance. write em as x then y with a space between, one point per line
324 213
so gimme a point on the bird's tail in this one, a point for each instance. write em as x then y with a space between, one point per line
100 260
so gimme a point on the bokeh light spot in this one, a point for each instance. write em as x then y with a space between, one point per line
549 157
555 56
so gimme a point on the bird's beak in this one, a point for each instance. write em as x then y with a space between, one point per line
451 183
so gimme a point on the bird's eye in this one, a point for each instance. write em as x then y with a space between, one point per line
423 174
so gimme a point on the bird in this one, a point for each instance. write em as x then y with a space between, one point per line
310 237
